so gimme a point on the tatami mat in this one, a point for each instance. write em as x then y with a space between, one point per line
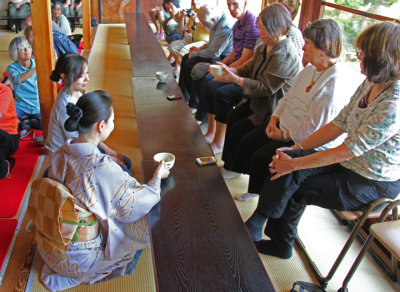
142 279
110 69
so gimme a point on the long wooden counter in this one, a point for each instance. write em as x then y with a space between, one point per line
199 240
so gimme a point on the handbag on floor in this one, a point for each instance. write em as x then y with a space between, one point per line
301 286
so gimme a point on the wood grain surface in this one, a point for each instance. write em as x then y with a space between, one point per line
147 55
199 240
163 125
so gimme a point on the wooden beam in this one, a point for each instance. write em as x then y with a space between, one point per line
359 12
44 57
86 19
311 10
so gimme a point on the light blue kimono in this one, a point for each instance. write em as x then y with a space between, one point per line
118 201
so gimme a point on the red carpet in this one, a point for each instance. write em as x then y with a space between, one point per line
7 228
12 189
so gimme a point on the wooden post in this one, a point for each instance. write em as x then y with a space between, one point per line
44 57
311 10
95 9
86 19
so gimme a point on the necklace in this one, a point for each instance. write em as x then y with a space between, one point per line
312 82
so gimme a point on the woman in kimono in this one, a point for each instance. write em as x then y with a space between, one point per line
102 188
72 70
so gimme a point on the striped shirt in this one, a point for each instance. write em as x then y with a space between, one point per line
245 34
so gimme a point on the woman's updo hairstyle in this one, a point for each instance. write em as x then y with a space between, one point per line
91 108
326 36
71 65
380 44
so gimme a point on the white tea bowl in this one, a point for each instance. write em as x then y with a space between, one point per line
216 70
162 76
169 159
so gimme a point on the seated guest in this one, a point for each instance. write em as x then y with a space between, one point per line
72 69
9 139
244 34
18 8
118 201
28 22
318 94
200 35
295 34
64 6
173 25
155 17
60 19
22 75
262 81
218 47
365 167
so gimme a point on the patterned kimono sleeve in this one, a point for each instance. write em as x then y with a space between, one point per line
138 200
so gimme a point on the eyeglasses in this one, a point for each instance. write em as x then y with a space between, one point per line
23 47
360 54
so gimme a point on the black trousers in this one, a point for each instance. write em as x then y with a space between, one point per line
259 159
221 98
27 121
199 87
190 87
238 126
8 145
332 187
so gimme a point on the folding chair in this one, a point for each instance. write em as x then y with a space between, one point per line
360 217
388 233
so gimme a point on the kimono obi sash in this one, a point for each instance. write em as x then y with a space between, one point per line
57 219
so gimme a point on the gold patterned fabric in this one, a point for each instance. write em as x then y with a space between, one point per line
56 218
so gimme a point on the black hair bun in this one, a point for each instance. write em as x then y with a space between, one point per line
55 76
75 115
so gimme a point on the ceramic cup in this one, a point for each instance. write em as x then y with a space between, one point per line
216 70
162 76
169 159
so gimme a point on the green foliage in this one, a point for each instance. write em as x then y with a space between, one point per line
352 25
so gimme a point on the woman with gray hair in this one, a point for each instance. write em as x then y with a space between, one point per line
218 47
262 81
60 18
318 94
22 75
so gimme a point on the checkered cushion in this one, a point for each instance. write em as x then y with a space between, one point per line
49 203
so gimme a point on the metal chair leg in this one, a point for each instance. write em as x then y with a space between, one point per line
323 280
368 243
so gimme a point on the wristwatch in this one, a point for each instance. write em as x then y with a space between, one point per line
284 137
